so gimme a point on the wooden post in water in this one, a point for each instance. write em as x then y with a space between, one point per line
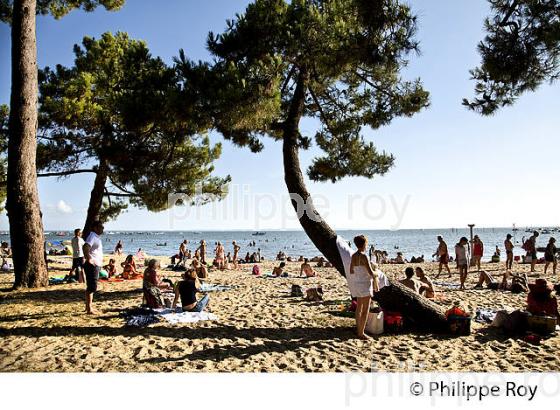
471 226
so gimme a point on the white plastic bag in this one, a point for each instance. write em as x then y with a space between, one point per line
374 323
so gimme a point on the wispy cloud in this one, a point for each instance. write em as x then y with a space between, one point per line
63 208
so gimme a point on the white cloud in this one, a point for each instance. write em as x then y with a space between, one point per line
63 208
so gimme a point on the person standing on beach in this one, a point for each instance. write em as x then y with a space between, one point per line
530 246
119 248
508 245
462 258
442 254
77 256
202 249
183 252
478 251
93 253
550 255
236 249
362 282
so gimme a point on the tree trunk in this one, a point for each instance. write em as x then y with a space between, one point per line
394 297
96 196
22 204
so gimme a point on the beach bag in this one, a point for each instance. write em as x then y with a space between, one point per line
257 271
296 291
393 322
500 318
516 322
459 325
374 324
314 294
542 325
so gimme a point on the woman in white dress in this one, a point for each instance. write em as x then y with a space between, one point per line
362 282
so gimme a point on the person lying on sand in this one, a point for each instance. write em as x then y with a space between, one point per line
307 269
518 282
409 281
428 287
186 290
279 270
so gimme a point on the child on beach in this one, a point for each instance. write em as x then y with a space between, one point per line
462 258
110 268
186 290
362 281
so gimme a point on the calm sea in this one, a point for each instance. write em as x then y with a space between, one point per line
412 242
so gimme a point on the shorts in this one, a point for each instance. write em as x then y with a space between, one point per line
77 263
92 276
444 259
533 255
549 258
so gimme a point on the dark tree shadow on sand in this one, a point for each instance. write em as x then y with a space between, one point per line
66 296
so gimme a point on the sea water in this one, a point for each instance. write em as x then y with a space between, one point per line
411 242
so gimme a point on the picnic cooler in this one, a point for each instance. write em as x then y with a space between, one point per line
542 324
374 324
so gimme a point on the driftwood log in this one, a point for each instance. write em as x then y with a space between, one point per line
417 309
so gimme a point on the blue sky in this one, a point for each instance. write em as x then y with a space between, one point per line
452 168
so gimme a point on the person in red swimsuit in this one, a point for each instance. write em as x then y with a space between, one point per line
478 251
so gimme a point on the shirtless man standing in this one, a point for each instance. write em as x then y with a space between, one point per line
509 251
443 256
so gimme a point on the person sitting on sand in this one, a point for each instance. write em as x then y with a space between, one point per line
129 268
153 286
399 259
307 269
540 300
362 282
462 258
200 269
111 268
409 281
427 288
279 270
186 290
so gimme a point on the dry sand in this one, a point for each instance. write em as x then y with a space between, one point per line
260 329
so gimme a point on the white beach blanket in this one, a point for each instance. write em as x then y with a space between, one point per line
178 316
346 255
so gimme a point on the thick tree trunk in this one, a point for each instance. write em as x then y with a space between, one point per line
394 297
96 196
22 204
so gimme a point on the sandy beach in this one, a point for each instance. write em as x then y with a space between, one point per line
260 329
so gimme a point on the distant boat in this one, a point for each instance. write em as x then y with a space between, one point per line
259 233
61 234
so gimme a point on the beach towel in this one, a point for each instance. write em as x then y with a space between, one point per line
447 285
485 316
207 287
178 316
346 255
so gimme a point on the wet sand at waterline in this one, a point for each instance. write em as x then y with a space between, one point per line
260 329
